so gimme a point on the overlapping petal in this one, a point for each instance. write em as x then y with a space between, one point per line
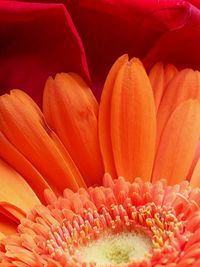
185 85
178 143
105 119
71 110
15 190
24 126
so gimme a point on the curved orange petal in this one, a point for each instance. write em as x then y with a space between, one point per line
185 85
22 123
160 77
178 143
157 79
88 92
71 111
195 177
194 161
13 157
104 117
133 123
170 73
15 190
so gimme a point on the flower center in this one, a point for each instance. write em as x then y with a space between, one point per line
118 248
127 230
115 235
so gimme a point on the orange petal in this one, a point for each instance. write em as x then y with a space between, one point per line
194 161
157 79
195 178
71 111
178 143
170 72
7 227
15 190
89 94
22 123
160 78
12 156
133 122
185 85
104 117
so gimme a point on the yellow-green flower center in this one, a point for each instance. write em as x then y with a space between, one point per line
117 248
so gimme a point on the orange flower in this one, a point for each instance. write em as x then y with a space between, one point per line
134 132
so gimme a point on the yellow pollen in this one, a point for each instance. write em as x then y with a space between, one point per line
116 249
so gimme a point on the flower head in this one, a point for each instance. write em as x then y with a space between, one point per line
135 131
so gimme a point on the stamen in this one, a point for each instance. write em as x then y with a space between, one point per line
115 235
133 230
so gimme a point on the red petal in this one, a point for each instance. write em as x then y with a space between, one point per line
140 25
37 40
180 45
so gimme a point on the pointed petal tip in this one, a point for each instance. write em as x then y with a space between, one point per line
136 61
124 57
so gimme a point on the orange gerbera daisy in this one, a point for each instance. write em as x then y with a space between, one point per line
134 132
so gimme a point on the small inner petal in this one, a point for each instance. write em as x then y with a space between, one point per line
118 248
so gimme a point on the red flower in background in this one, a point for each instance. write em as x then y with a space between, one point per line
41 39
37 40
